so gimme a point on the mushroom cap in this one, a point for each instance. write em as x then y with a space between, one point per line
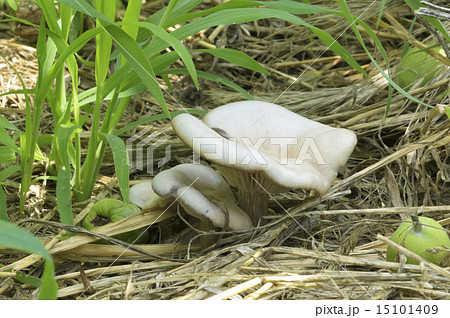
142 195
203 193
280 149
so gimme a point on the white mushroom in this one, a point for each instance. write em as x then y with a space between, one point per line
263 148
203 193
142 195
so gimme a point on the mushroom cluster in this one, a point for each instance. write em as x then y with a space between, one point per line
262 148
203 193
200 190
259 148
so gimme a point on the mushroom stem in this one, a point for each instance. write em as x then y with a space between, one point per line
207 240
255 203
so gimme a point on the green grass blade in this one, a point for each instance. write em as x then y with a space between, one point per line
104 41
3 212
236 57
351 19
4 123
180 9
7 155
63 187
28 279
139 62
177 46
235 16
211 77
121 164
65 14
380 14
131 15
17 238
62 46
7 141
168 11
63 195
190 16
12 4
293 7
50 75
338 49
49 11
86 8
239 15
49 287
5 173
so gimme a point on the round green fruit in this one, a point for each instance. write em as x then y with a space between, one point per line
111 210
418 237
417 64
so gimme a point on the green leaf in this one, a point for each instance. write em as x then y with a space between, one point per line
7 141
86 8
49 76
127 46
211 77
49 11
4 123
236 57
293 7
239 15
121 164
191 16
12 5
131 15
338 49
380 14
139 62
49 287
103 41
177 46
5 173
63 187
3 212
28 279
17 238
7 155
63 195
45 140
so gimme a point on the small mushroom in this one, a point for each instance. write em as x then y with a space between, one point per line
142 195
263 148
203 193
